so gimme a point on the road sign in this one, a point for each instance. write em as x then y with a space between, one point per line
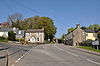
95 42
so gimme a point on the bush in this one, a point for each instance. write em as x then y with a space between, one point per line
17 39
11 36
3 39
87 43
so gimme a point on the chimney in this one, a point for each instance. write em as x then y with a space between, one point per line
77 25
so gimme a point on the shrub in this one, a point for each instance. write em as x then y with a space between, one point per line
87 43
3 39
11 36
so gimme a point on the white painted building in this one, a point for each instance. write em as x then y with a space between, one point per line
19 33
4 34
34 36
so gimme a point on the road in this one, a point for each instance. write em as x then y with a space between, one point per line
57 55
14 52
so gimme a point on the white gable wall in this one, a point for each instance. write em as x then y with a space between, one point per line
4 34
34 37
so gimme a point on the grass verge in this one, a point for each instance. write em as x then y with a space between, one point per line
89 48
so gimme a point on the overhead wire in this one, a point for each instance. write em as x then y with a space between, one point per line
24 6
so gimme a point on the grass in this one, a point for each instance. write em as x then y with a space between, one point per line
4 40
89 48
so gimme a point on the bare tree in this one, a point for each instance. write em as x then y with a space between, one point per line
15 19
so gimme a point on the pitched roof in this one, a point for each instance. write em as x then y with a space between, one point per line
8 29
4 23
89 31
34 30
5 29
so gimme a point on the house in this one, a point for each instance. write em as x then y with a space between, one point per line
90 34
19 33
4 24
78 35
4 31
34 35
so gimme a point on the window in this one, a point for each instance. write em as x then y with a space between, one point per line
38 39
19 32
27 34
28 39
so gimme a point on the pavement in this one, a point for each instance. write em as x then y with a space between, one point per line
57 55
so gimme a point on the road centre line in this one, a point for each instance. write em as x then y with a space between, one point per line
66 51
21 57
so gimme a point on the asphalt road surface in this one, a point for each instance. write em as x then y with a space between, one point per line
14 52
57 55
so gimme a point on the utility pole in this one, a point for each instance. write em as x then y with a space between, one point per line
6 55
6 58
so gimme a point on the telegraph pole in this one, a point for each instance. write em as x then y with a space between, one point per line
6 55
6 58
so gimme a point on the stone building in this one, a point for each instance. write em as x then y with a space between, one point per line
78 35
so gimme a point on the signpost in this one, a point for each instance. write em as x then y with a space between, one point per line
96 43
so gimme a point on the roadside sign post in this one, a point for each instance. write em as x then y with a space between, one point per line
97 47
96 43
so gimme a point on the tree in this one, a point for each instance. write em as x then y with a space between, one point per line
15 19
98 35
48 25
11 35
38 22
94 27
83 27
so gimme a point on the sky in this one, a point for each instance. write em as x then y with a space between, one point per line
65 13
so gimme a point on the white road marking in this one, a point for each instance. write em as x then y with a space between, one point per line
66 51
21 57
93 61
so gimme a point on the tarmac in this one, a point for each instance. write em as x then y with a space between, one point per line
84 50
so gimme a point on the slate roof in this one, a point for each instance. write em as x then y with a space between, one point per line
15 31
89 31
34 30
5 29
